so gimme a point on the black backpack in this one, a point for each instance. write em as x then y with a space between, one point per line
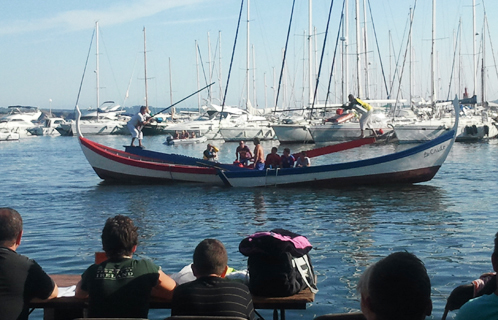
277 267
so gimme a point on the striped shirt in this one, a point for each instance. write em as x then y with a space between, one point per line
213 296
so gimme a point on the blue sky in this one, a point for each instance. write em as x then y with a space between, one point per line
44 46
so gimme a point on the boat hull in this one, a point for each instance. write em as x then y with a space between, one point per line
113 164
292 133
414 165
235 134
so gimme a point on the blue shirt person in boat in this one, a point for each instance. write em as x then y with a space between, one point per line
287 159
484 307
21 279
365 111
211 294
121 287
396 287
243 153
136 123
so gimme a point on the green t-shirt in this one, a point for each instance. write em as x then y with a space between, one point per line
120 288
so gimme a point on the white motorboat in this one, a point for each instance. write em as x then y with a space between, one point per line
48 128
19 119
99 122
6 135
170 141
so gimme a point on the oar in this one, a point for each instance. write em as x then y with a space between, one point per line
174 104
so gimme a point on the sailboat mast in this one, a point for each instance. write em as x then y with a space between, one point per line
310 70
145 71
483 84
365 41
474 39
97 66
197 70
433 56
345 59
358 42
411 59
248 84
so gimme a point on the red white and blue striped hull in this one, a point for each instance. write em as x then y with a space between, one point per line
417 164
113 164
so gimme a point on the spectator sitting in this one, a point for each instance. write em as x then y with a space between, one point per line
396 287
287 159
486 306
21 279
303 160
273 159
210 294
121 286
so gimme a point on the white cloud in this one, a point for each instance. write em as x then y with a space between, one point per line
117 13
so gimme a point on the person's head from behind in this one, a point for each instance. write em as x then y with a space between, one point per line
396 287
351 98
210 258
119 237
494 256
10 227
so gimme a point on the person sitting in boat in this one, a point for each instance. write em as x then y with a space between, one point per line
396 287
211 153
303 160
365 110
136 123
287 159
185 134
121 287
193 135
243 153
259 156
211 294
177 135
273 159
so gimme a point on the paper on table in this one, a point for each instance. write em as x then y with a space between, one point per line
66 291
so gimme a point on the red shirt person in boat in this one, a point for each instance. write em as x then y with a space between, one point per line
243 153
273 159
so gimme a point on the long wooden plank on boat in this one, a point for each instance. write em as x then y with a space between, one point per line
337 147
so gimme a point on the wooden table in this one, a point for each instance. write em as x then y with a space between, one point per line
68 308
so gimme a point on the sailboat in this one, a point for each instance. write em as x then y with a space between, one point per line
251 125
475 123
107 118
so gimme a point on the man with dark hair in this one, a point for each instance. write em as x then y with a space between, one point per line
21 279
136 124
484 307
121 286
396 287
243 153
211 294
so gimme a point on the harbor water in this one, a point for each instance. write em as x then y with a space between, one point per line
449 222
